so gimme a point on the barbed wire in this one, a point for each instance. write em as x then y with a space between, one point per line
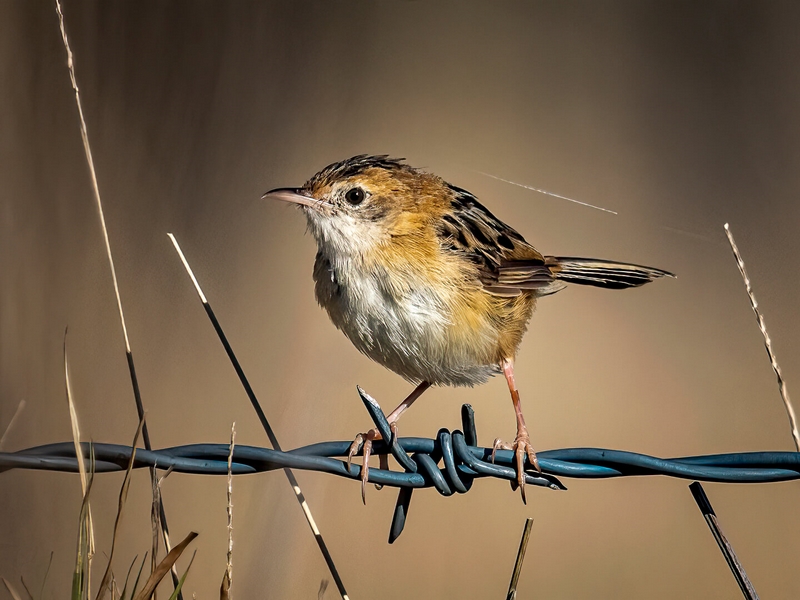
462 462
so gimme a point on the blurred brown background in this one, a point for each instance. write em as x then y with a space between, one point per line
680 116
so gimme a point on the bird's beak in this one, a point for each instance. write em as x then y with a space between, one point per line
294 195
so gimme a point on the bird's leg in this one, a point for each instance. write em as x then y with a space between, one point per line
363 441
522 443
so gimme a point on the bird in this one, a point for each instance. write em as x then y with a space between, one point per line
424 280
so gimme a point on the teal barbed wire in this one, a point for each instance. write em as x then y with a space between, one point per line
462 462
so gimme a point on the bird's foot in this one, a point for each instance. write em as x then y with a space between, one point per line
363 443
521 447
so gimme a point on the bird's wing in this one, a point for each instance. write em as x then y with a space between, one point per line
507 264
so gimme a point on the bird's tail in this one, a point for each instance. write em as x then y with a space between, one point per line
602 273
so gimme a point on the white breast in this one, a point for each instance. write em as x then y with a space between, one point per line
407 327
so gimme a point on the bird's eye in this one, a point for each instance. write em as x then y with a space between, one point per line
355 196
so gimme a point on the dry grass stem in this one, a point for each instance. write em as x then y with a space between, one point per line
264 423
82 573
20 408
73 417
46 573
88 151
163 568
165 535
123 496
11 590
787 403
96 190
523 546
25 587
155 520
76 438
230 504
162 526
228 579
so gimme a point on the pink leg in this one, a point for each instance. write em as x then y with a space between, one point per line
394 416
373 434
522 444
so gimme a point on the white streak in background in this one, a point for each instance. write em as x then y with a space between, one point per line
767 342
533 189
692 234
87 149
20 408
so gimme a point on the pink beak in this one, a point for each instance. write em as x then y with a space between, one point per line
293 195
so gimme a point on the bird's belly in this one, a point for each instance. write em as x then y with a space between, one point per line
416 332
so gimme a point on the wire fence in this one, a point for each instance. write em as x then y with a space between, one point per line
449 463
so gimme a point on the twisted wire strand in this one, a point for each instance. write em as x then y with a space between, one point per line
449 463
465 462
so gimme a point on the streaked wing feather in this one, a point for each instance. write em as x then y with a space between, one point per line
506 263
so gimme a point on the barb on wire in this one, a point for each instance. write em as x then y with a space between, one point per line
449 463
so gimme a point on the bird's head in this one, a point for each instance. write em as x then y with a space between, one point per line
367 202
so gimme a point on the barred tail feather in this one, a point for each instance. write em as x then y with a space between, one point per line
602 273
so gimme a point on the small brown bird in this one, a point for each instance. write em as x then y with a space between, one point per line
424 280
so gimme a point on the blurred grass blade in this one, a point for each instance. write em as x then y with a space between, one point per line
127 577
136 582
123 496
25 587
17 413
44 579
178 588
163 568
11 590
